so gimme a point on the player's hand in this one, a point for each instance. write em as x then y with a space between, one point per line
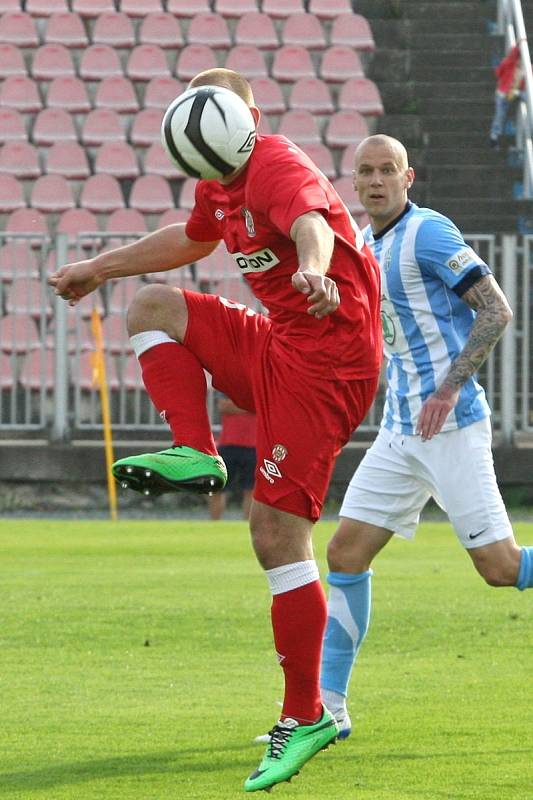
435 410
74 281
322 292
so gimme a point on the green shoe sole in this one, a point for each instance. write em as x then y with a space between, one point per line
153 474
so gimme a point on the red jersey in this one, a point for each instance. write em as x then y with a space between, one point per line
253 215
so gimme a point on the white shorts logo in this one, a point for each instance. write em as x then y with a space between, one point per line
270 470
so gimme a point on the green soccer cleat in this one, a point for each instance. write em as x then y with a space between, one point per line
178 469
291 746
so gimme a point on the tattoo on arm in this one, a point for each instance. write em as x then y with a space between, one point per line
493 313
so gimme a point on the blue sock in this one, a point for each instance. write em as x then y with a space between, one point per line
525 573
348 616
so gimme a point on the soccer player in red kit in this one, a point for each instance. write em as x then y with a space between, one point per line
308 369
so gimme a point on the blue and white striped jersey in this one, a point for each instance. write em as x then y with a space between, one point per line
425 266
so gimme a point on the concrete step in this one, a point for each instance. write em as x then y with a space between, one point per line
470 181
406 127
444 120
440 9
458 139
477 73
463 92
389 65
431 25
436 58
470 108
449 42
467 154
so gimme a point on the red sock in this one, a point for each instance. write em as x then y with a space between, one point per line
175 381
299 621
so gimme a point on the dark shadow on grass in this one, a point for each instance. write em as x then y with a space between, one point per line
78 772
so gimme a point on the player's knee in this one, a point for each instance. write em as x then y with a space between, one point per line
155 307
336 554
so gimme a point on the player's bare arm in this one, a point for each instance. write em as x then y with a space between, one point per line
162 250
493 314
314 242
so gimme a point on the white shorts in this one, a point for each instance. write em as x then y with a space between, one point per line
400 473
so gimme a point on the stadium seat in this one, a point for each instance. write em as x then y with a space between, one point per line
140 8
125 221
114 29
44 8
215 266
172 216
20 159
248 60
300 127
161 29
160 92
12 127
68 159
256 29
322 157
82 373
157 162
146 127
116 339
27 220
339 63
347 161
92 8
11 61
75 222
291 63
101 194
7 372
18 334
131 374
194 58
118 94
265 125
282 8
9 5
236 288
65 28
51 61
187 191
147 61
311 94
345 128
344 187
70 93
151 194
11 193
210 29
268 95
361 94
329 9
17 27
303 30
117 159
352 30
37 372
52 194
121 293
17 259
21 93
102 125
235 8
100 61
53 125
188 8
27 296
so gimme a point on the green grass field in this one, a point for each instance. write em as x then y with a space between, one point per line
136 663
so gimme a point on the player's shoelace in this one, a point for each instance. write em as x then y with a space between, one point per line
278 739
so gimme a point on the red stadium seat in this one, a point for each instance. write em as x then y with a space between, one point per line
121 293
215 266
311 94
17 27
9 5
346 128
304 30
26 220
66 28
7 372
194 58
188 8
248 60
146 127
69 93
18 334
100 61
51 61
44 8
347 162
291 63
329 9
282 8
117 94
114 29
101 194
17 259
125 221
361 94
160 92
161 29
322 157
157 162
173 216
188 188
68 159
21 93
20 159
235 8
256 29
53 125
75 222
52 194
265 125
12 127
131 374
344 187
339 63
117 159
147 61
11 193
116 339
11 61
82 373
352 30
92 8
140 8
102 125
268 95
151 194
37 372
300 127
210 29
27 296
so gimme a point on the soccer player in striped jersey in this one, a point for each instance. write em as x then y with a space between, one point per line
442 313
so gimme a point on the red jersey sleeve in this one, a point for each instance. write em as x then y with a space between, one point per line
201 226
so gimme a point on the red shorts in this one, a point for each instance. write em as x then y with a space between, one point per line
303 421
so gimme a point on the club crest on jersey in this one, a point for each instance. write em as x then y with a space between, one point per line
269 470
249 221
260 261
389 331
279 452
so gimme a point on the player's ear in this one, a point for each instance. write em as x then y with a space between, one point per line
409 177
256 114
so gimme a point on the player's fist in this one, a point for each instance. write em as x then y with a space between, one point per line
322 292
74 281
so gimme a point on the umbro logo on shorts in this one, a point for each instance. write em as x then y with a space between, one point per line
270 470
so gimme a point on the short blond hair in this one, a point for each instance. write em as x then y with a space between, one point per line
226 78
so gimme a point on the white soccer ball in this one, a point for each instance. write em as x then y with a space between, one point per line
208 132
